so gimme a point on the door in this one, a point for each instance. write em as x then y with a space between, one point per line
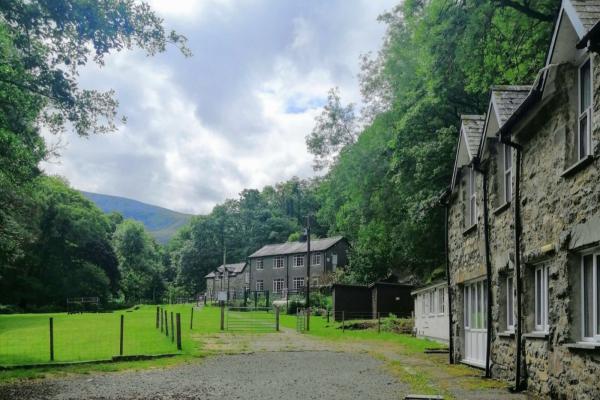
475 321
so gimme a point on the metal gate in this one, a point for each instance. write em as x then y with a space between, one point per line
250 319
301 320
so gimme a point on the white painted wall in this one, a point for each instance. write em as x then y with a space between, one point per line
431 312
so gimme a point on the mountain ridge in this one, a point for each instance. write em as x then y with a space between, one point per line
162 223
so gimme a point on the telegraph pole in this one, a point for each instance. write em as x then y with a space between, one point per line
308 260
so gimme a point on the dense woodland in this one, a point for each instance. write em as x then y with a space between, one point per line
383 166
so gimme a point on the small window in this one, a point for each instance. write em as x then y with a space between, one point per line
316 259
585 110
298 261
278 262
260 285
298 283
590 285
507 176
441 301
431 302
541 298
278 285
472 197
510 304
259 264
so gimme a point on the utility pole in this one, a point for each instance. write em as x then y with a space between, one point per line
308 260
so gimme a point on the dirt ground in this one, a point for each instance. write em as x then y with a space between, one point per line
275 366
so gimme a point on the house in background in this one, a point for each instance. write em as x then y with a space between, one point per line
431 311
524 223
230 278
281 268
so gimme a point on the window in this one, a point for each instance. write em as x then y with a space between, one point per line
278 262
298 261
260 285
590 288
278 285
315 281
475 305
441 301
507 173
316 259
431 309
472 198
510 304
585 109
298 283
247 277
259 264
541 298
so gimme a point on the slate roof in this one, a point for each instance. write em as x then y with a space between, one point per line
296 247
507 99
588 12
472 126
232 268
210 275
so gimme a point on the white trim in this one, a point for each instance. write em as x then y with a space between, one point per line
543 308
510 327
295 281
594 300
312 261
275 263
276 282
566 8
262 285
295 260
260 264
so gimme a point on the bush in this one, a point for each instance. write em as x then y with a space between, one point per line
397 325
9 309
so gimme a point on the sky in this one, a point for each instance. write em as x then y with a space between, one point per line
235 115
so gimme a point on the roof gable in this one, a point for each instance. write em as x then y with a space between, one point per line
468 143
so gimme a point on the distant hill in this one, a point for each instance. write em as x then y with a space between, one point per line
160 222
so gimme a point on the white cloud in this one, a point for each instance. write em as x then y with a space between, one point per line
236 114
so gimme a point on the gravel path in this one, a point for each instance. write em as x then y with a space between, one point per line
261 376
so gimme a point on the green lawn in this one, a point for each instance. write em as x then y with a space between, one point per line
25 338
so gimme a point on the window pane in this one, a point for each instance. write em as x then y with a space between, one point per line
588 293
583 136
508 186
507 157
538 296
585 88
466 300
478 291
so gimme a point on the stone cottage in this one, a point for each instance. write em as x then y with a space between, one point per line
230 278
523 217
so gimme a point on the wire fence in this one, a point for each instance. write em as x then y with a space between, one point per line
45 338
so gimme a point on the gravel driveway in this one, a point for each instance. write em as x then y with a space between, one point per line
261 376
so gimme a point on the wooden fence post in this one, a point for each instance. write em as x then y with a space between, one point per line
172 330
222 316
192 320
157 317
161 320
166 323
277 318
51 339
308 319
178 331
121 336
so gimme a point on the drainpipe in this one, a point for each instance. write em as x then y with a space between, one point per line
488 266
449 291
517 236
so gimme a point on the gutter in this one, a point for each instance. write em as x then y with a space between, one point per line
590 39
488 266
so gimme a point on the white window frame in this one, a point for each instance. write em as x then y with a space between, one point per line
587 113
276 264
259 285
540 312
295 282
316 259
298 261
510 303
441 301
431 309
595 293
472 197
507 173
276 285
260 265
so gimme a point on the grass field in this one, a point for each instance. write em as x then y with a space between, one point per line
25 338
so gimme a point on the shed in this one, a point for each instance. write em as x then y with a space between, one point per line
391 298
351 301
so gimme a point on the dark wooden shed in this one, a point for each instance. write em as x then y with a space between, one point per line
351 301
391 298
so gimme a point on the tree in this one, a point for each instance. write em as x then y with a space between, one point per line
335 128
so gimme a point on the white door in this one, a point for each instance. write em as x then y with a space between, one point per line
475 320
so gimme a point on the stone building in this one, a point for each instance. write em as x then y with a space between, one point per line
230 278
524 223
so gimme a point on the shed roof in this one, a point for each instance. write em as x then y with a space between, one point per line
232 268
296 247
210 275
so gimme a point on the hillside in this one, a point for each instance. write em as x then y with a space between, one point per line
162 223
